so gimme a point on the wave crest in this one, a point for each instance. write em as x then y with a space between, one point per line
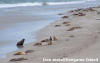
39 4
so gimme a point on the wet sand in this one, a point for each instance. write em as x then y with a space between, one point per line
77 37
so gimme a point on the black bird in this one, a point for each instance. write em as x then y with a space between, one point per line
50 42
20 43
50 38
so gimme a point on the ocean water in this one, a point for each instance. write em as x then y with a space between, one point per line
26 17
16 3
25 1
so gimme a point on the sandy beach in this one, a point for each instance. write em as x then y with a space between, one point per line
77 36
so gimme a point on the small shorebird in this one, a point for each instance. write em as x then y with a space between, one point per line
20 43
54 38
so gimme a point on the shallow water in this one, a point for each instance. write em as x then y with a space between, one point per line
10 36
24 22
21 28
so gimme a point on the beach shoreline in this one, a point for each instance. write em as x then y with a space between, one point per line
77 36
14 20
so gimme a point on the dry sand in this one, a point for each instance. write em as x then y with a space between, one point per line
78 37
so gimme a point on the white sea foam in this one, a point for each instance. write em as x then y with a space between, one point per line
40 3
